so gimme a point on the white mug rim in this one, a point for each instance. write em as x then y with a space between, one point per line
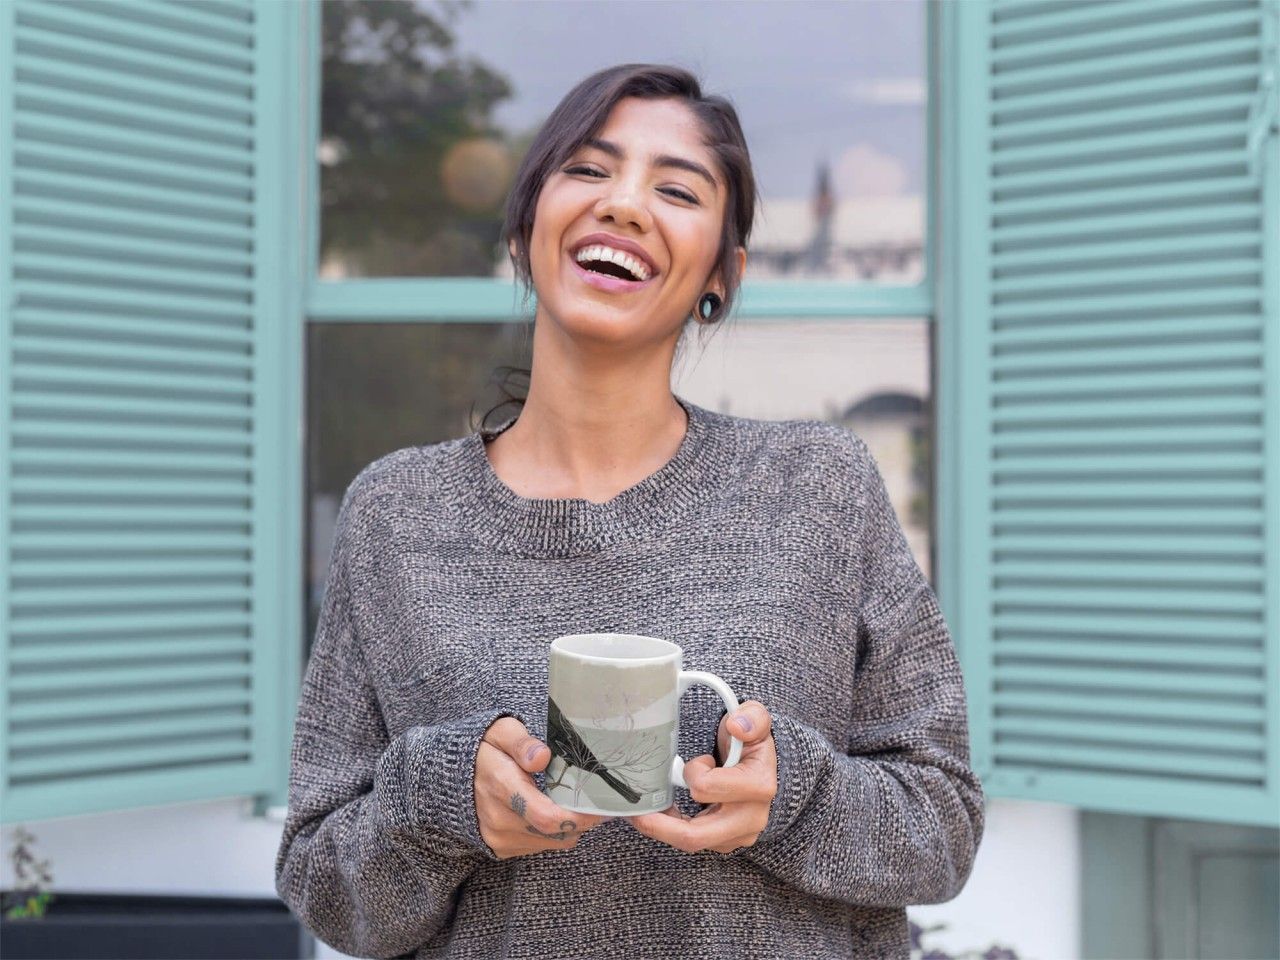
674 652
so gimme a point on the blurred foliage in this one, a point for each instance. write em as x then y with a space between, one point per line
407 140
403 114
920 952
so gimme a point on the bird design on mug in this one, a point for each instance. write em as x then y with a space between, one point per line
567 744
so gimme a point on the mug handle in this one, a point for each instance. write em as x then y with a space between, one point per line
684 681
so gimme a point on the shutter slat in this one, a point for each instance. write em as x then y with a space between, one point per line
129 514
77 598
1075 383
32 319
188 18
121 761
1066 437
142 224
31 459
91 542
110 622
31 429
73 158
92 571
1127 703
103 487
1066 128
1020 411
1061 285
1167 736
1175 572
1137 623
37 39
64 654
96 20
1213 164
132 729
105 136
211 362
97 709
1201 546
1188 763
48 405
1018 51
1112 651
88 378
161 120
1200 683
1158 602
1188 462
136 676
1084 251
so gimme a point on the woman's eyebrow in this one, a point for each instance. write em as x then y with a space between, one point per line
657 159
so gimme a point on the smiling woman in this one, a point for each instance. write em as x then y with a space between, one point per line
769 551
640 151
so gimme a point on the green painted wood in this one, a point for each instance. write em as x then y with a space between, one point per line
1116 887
150 394
1216 890
470 299
1110 392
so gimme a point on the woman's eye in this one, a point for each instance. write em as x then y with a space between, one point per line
682 195
672 191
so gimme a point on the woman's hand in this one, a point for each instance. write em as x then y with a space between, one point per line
515 816
739 796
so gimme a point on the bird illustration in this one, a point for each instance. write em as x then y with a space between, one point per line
567 744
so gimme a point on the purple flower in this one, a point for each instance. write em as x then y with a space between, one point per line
915 934
999 953
937 955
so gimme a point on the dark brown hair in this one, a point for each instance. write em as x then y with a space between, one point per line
582 113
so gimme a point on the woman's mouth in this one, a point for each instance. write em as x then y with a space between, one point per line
602 281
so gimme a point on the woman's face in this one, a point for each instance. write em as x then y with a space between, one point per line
621 185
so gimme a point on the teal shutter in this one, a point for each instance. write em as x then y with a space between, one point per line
148 574
1116 345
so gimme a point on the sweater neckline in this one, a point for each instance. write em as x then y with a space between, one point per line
571 526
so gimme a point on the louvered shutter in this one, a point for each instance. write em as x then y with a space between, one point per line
147 576
1120 403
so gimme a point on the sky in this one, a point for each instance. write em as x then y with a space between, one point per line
840 80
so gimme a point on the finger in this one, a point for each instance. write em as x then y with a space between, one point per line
512 737
538 813
751 722
722 825
753 778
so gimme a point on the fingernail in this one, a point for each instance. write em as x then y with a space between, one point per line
744 723
533 751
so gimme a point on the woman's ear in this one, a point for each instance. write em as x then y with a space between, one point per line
742 267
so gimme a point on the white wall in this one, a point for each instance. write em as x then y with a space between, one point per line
1023 892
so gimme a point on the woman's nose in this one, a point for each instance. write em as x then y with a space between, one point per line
623 204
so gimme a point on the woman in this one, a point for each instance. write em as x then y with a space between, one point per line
768 550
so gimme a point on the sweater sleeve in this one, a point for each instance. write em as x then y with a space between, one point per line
380 832
894 816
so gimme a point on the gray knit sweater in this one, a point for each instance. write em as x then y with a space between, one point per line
770 552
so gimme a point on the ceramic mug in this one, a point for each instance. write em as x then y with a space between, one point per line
613 722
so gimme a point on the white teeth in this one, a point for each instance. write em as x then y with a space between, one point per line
601 252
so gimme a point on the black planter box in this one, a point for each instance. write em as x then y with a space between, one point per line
107 926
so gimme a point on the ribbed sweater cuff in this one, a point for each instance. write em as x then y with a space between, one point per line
441 771
804 759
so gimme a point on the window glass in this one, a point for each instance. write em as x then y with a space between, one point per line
373 388
427 108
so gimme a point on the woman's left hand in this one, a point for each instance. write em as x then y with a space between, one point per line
739 796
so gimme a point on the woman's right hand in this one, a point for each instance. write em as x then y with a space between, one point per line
515 816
